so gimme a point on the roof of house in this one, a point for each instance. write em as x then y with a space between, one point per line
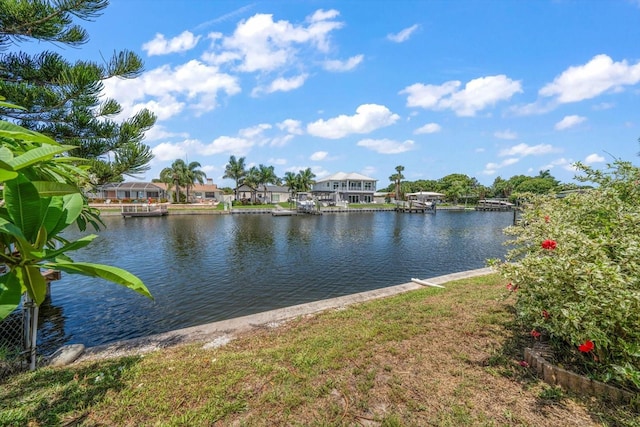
343 176
194 187
131 186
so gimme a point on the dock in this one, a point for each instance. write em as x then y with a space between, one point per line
494 205
143 210
415 206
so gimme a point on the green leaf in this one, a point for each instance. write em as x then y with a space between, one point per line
9 228
107 272
49 189
10 294
31 279
6 175
9 130
36 155
23 205
71 246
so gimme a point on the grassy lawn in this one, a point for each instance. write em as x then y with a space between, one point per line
445 357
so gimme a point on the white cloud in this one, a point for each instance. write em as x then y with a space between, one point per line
368 118
566 164
254 132
476 95
403 35
594 78
158 132
191 85
167 151
491 168
505 134
369 171
262 44
318 156
568 122
428 128
161 46
226 144
387 146
593 158
528 150
281 84
278 162
341 66
291 126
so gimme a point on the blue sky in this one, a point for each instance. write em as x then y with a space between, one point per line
484 88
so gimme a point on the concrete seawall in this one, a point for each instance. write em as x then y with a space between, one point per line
219 333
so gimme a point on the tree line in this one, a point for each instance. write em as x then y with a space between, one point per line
261 175
459 186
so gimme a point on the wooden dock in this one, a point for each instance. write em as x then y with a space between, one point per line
414 206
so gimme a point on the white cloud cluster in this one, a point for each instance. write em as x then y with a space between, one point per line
403 35
515 153
172 88
569 122
161 46
338 66
262 44
281 84
368 118
386 146
594 78
428 128
593 158
523 149
318 156
476 95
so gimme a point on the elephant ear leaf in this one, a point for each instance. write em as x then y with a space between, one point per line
107 272
10 294
31 278
23 205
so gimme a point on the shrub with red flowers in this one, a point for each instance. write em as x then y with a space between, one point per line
576 264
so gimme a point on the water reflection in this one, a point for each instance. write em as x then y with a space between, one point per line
206 268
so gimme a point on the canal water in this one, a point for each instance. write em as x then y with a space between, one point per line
205 268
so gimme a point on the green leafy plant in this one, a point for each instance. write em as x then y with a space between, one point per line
575 272
40 198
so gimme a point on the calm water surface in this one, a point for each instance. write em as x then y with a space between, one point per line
202 269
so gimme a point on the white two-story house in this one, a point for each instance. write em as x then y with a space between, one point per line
350 187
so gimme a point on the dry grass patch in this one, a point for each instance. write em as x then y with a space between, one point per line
430 357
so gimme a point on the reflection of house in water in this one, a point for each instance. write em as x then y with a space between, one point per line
349 187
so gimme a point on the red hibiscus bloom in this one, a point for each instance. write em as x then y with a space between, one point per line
586 347
535 333
524 364
511 287
549 245
547 218
545 314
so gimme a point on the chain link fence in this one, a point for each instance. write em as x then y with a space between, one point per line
17 339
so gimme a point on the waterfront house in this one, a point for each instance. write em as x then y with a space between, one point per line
128 191
198 193
349 187
272 193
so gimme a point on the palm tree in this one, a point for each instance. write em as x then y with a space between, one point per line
291 181
306 180
252 180
175 175
193 175
235 170
397 178
266 175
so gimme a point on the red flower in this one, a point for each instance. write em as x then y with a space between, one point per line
549 245
535 333
545 314
511 287
524 364
586 347
547 218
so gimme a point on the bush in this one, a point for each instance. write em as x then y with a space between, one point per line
575 272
